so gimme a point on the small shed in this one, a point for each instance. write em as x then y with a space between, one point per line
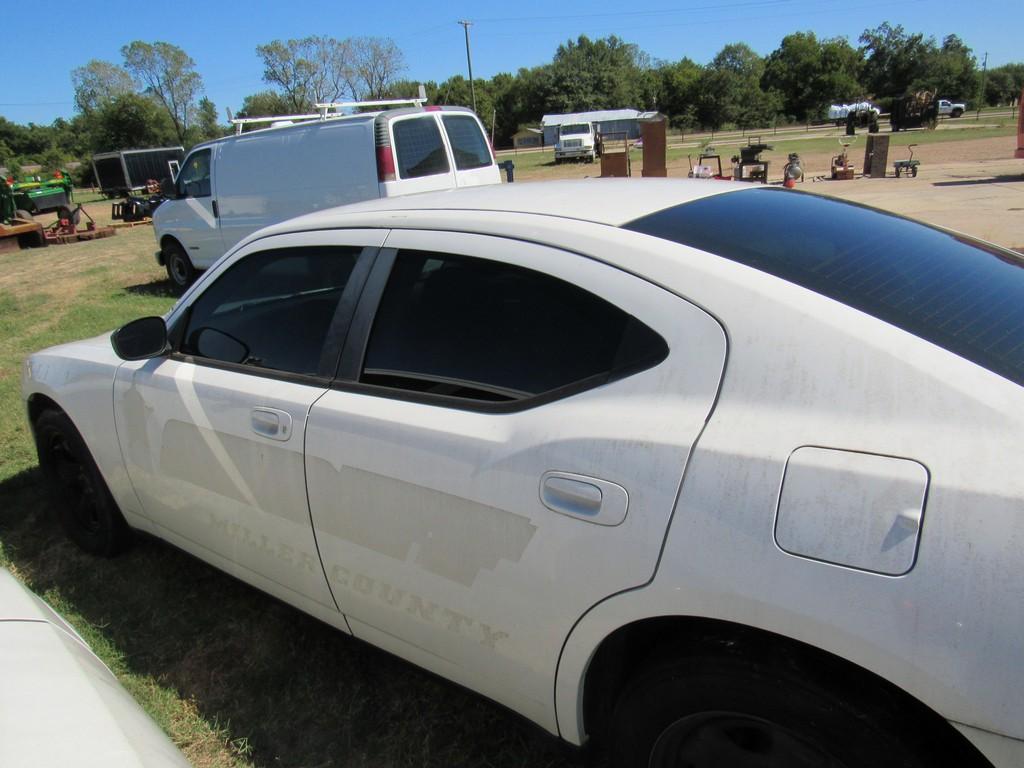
527 137
617 121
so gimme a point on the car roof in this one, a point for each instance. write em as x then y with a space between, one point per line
602 201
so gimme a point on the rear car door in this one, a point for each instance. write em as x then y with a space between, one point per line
212 435
421 156
502 450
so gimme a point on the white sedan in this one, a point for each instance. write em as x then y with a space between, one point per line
59 705
713 474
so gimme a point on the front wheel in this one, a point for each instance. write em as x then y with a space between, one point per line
717 712
179 267
85 508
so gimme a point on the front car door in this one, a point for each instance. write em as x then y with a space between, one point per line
502 450
212 435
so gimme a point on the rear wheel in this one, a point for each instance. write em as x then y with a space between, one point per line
716 712
956 113
179 266
85 508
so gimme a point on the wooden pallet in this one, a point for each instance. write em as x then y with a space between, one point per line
95 234
130 224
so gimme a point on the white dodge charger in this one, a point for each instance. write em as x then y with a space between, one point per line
711 474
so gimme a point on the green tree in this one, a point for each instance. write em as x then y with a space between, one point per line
598 74
809 74
206 126
895 61
729 90
98 82
1003 84
170 78
678 85
131 121
265 104
953 73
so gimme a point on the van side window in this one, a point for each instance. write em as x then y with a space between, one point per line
194 178
468 143
419 148
487 331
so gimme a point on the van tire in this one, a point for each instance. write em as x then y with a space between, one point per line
179 265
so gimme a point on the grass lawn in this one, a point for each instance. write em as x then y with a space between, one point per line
235 677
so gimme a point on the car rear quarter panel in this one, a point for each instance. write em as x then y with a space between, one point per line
79 377
804 370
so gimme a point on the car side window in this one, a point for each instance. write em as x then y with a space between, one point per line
488 331
271 309
194 178
468 144
419 147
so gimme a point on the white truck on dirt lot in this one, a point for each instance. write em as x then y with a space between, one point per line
949 108
576 141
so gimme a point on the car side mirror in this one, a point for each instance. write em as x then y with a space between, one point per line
217 345
140 339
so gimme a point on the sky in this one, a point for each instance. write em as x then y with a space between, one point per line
221 37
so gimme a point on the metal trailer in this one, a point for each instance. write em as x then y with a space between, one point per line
126 171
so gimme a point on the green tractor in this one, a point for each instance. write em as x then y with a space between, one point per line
34 196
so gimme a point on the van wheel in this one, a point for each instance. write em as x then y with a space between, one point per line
179 266
711 712
85 508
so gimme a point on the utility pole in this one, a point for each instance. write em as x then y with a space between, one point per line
469 61
984 75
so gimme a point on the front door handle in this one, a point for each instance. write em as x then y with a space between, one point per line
272 423
586 498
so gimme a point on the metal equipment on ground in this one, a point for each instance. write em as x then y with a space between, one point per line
748 165
907 167
703 168
17 228
842 168
65 229
38 195
129 170
792 170
914 111
615 155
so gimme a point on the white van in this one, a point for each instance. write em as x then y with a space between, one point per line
231 187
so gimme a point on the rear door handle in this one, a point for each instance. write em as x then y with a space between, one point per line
585 498
272 423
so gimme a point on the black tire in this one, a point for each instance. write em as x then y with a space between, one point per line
23 215
732 712
179 265
956 113
86 510
913 171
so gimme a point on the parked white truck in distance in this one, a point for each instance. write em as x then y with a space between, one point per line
951 109
576 141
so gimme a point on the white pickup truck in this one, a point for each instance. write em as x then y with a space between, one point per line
951 109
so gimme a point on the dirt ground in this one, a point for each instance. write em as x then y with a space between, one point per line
972 186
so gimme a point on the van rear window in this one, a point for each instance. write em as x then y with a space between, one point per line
468 143
419 147
951 290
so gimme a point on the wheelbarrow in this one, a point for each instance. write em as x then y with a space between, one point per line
908 167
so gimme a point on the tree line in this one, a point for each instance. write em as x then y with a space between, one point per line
156 96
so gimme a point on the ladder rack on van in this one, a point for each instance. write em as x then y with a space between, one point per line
324 111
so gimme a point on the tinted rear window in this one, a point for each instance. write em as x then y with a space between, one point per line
468 143
956 292
419 148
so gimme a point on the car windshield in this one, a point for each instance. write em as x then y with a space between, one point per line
570 130
956 292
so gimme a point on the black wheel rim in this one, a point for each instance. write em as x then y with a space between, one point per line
75 485
736 740
178 271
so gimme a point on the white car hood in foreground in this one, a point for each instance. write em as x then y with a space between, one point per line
59 705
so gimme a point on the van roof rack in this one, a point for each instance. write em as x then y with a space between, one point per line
326 111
